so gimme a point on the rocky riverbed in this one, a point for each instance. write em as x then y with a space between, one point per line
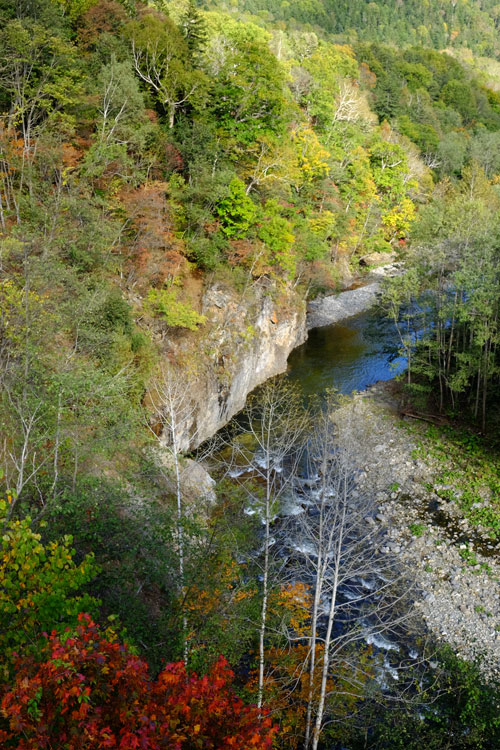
334 308
457 566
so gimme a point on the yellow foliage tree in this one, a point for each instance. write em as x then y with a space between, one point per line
398 221
312 156
38 584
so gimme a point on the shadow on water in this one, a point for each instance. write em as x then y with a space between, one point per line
348 356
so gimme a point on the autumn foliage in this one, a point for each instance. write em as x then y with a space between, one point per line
91 692
157 254
40 585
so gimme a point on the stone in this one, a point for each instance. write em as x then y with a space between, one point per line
462 603
216 297
327 310
197 486
378 259
249 342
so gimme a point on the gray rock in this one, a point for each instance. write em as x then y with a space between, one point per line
327 310
249 341
197 486
378 259
462 603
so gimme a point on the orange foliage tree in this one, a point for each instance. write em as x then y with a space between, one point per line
157 254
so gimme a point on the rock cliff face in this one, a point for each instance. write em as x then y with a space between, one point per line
247 340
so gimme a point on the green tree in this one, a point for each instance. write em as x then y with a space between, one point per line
237 212
327 67
247 96
40 83
451 152
39 584
459 95
454 295
162 60
193 27
276 233
121 125
390 168
463 707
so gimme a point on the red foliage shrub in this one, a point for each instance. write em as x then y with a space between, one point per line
91 693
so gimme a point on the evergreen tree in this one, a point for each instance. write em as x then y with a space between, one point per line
193 28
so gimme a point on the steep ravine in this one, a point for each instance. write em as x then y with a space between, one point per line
251 340
248 339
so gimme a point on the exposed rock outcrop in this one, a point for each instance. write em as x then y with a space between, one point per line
196 485
378 259
327 310
247 339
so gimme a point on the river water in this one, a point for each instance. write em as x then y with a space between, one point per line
347 356
351 356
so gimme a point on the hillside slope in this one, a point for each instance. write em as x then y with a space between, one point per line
433 23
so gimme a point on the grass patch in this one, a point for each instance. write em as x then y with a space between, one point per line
471 467
417 529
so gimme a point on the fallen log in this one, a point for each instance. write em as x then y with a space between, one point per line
432 418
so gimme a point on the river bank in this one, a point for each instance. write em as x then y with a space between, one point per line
335 308
361 296
457 567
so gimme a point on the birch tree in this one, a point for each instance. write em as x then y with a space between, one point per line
270 449
162 61
338 550
174 409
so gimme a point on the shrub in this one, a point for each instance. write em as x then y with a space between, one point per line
91 692
164 302
38 584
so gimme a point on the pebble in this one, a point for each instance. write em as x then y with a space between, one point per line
459 603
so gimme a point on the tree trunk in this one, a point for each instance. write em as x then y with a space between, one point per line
263 613
328 635
171 115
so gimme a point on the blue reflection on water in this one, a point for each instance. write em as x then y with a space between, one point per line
348 356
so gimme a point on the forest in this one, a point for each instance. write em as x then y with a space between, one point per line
472 24
151 151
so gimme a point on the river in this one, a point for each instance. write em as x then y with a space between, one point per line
347 356
350 356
